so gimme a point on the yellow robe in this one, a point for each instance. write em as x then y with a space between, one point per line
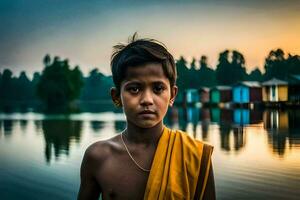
176 166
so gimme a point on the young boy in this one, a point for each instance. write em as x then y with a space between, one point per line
147 160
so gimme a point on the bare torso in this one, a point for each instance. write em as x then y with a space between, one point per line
117 175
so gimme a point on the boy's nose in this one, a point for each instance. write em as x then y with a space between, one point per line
147 98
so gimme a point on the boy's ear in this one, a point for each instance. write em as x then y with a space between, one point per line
115 96
174 90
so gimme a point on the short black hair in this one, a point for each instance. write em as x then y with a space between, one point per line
140 52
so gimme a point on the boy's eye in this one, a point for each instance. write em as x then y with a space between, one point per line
133 89
159 88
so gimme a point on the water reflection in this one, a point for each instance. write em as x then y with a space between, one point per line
58 134
282 126
119 126
205 117
1 128
294 119
8 127
276 120
38 126
96 125
283 130
225 131
23 125
255 151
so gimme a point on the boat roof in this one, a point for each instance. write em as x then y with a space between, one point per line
221 87
250 83
274 81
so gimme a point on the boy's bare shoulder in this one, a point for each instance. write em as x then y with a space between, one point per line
102 150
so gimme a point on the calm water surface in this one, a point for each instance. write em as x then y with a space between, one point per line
256 154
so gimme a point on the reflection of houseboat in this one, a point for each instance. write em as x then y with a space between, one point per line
192 114
241 116
274 119
221 116
275 91
247 92
191 96
232 139
215 115
246 116
220 94
204 95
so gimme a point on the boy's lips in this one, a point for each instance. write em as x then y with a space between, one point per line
145 112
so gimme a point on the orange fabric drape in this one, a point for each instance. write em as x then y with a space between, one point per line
175 167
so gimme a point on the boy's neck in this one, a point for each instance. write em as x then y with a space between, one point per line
144 135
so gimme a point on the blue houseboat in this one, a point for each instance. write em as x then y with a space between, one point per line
191 96
247 92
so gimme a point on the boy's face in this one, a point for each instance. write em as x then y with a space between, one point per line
145 95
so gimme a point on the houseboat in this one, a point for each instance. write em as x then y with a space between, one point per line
220 95
246 94
275 92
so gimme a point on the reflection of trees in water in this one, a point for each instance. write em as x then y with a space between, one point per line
294 119
294 138
0 126
283 125
256 116
38 126
226 116
224 133
227 131
238 140
120 126
23 125
172 117
96 125
277 142
190 117
283 128
8 127
205 128
57 134
204 116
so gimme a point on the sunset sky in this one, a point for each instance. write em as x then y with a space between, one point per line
85 31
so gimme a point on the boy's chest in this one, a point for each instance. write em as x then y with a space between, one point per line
120 178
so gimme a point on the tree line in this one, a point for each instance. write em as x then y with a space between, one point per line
55 87
231 69
59 84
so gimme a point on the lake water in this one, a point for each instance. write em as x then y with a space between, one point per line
256 154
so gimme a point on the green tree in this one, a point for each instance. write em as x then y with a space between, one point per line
183 74
224 71
59 85
293 64
238 66
7 86
255 75
206 75
23 87
275 65
192 79
96 87
231 68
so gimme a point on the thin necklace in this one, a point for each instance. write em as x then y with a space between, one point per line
142 168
